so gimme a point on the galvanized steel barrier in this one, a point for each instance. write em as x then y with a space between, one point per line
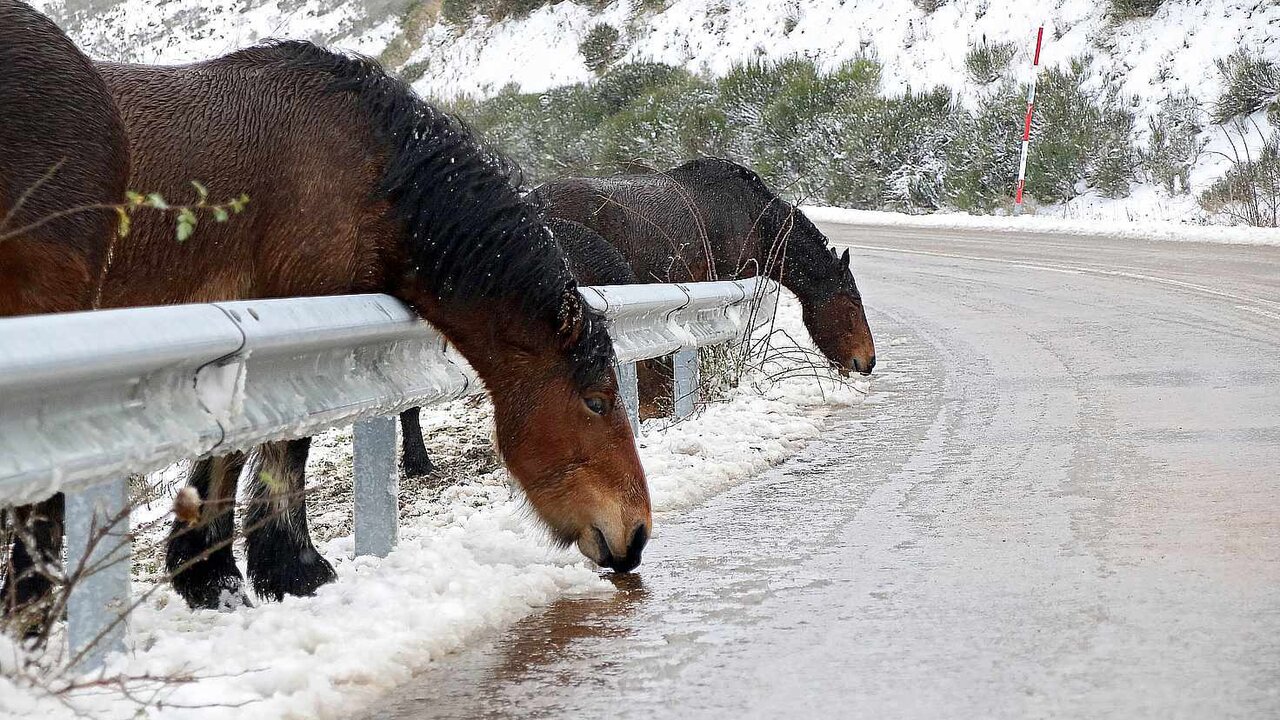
88 399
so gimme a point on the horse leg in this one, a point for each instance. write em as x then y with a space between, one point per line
417 462
198 554
282 560
655 385
33 561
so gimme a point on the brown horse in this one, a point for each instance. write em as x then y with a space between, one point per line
356 185
592 261
710 219
63 157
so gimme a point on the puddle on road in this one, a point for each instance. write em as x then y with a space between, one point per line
709 588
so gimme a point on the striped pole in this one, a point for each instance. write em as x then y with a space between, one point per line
1026 125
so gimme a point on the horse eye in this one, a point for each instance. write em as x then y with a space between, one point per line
596 404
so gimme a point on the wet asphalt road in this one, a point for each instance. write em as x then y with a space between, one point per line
1064 503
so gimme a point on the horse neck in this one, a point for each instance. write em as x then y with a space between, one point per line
806 257
485 334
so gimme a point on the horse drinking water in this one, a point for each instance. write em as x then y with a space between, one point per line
356 185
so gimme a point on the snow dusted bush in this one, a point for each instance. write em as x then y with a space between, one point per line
825 134
1174 143
914 133
1080 138
1249 192
1131 9
1250 82
665 126
982 152
599 47
797 124
986 63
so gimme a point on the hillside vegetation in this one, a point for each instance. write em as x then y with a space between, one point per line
1146 108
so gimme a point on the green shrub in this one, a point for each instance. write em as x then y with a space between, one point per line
624 83
986 63
793 120
1250 82
1249 192
1173 145
1131 9
982 152
664 127
1079 138
929 5
599 47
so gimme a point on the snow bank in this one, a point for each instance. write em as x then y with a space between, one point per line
1152 230
469 561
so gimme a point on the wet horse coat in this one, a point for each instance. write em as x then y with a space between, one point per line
356 185
592 261
63 156
712 219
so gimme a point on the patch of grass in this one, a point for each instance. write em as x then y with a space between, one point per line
1251 81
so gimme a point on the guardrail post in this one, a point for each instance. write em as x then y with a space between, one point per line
630 394
99 545
377 486
684 365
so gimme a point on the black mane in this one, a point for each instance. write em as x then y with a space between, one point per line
469 234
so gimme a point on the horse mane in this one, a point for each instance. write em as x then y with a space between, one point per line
468 233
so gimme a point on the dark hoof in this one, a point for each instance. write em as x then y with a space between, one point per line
208 588
416 467
299 575
209 583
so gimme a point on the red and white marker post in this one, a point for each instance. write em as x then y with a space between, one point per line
1026 125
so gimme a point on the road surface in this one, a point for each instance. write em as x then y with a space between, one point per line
1066 505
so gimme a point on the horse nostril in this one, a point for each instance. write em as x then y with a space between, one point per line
871 365
635 546
857 366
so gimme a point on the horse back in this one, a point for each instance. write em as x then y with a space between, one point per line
248 125
63 153
670 228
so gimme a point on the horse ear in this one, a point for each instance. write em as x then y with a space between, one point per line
844 259
571 317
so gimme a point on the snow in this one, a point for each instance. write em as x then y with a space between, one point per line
470 560
1116 229
1150 58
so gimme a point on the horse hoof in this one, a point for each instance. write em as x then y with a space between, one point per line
223 592
30 603
418 467
301 575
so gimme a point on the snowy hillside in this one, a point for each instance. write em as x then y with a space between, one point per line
1142 61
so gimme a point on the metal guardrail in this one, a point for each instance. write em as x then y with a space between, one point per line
87 399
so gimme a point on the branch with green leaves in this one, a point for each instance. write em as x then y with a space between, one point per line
188 215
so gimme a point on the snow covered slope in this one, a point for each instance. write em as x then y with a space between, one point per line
1148 58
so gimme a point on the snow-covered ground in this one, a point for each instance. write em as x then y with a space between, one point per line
1122 228
470 560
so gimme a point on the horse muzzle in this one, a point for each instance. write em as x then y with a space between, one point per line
621 556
